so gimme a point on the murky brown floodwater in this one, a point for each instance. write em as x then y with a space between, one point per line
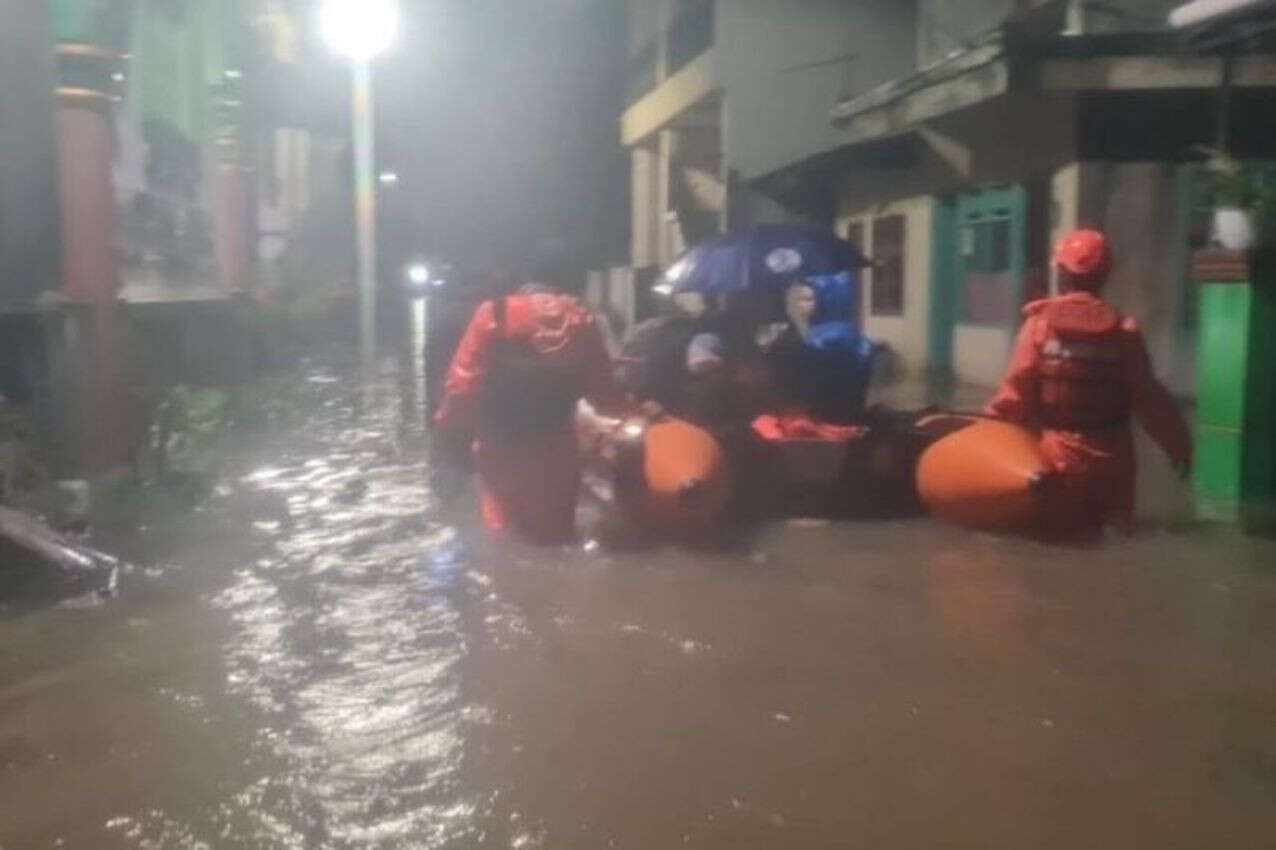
304 666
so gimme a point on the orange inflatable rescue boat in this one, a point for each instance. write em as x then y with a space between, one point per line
986 474
658 475
685 472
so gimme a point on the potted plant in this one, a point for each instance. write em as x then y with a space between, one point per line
1244 200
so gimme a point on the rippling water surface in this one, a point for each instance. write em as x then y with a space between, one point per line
324 658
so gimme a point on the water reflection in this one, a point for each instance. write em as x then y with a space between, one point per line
349 650
324 661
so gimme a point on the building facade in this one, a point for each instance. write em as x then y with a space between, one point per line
131 186
1016 122
723 92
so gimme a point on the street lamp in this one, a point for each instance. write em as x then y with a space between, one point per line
419 274
359 30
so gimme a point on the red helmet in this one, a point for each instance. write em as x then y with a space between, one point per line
1085 254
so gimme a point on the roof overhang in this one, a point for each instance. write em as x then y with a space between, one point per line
961 80
811 185
1004 60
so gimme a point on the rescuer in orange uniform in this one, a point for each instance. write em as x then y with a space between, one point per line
1079 371
523 363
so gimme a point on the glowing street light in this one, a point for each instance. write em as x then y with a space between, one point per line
360 30
388 178
419 273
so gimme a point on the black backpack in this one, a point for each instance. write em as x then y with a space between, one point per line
524 393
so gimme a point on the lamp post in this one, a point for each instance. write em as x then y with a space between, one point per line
360 30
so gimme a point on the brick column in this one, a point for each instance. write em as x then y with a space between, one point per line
233 213
100 405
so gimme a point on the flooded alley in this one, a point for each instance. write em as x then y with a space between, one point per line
323 657
793 329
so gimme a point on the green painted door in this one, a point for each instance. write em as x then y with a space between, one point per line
979 256
991 256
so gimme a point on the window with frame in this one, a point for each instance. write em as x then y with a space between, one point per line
886 292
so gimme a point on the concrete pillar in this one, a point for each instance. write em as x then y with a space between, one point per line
87 197
234 215
232 224
644 201
1235 469
1137 205
1065 190
666 249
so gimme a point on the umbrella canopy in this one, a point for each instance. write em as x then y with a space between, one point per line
766 257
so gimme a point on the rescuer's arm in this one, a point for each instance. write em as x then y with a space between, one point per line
601 388
1015 400
465 375
1152 404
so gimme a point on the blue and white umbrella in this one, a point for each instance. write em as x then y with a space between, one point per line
765 257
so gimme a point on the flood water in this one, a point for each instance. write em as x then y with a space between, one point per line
322 657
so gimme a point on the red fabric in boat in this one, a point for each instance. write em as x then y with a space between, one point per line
776 429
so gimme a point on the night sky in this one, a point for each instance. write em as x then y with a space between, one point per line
501 117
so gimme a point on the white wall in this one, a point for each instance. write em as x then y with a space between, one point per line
980 354
906 335
776 113
646 19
